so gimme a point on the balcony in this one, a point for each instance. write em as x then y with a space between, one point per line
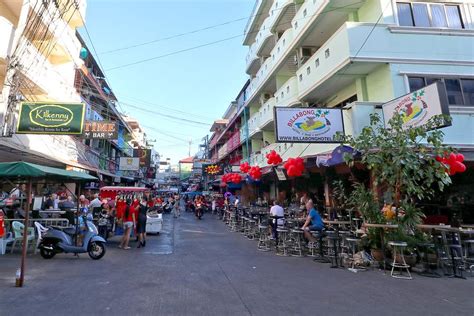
67 46
282 12
302 33
243 132
46 78
259 13
325 71
222 152
287 95
7 30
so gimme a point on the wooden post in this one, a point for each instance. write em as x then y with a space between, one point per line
327 191
25 233
77 211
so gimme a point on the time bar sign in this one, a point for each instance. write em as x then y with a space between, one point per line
100 130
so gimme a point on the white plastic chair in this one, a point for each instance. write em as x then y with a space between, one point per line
18 234
4 241
40 230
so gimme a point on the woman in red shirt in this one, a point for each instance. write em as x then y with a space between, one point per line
129 221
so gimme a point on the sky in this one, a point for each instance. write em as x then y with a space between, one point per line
195 85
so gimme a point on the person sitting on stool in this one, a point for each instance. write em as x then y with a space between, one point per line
313 221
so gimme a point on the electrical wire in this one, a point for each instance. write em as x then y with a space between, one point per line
217 41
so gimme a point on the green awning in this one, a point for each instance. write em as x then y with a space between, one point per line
14 170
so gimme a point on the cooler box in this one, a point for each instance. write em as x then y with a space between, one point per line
154 223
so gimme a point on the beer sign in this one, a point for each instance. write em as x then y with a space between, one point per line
100 130
50 118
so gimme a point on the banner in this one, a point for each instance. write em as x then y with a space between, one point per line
419 106
307 125
129 163
144 155
100 130
212 169
50 118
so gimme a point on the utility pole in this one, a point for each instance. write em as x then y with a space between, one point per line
189 149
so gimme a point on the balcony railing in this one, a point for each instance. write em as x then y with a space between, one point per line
287 95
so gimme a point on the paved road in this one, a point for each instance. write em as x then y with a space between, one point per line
200 268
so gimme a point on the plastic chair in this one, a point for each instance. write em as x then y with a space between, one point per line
18 234
40 230
4 241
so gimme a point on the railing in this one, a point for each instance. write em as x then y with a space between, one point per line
288 92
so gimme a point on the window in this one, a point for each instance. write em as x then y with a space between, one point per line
453 87
420 14
404 14
429 15
468 91
301 77
317 62
416 83
460 91
308 70
327 53
438 18
305 13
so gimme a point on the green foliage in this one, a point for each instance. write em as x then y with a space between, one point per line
339 193
363 201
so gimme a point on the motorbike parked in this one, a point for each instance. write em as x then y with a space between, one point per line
58 240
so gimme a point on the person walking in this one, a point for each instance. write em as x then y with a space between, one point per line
177 205
141 223
128 219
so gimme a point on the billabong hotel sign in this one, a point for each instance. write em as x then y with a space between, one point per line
307 125
51 118
418 107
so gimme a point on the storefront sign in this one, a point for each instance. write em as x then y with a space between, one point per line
419 106
307 125
129 163
51 118
100 130
280 174
212 169
144 155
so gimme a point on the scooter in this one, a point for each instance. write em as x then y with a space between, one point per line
58 240
199 210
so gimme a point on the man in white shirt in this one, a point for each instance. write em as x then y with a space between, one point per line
276 210
95 202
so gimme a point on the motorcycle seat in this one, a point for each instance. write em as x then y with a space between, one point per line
70 230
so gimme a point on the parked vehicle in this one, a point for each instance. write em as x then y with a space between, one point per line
57 240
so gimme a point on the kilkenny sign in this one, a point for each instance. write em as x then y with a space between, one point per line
307 125
100 130
417 107
51 118
144 155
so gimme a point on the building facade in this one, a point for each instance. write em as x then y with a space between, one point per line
356 55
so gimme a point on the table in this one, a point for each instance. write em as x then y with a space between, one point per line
468 225
336 222
382 234
52 212
430 227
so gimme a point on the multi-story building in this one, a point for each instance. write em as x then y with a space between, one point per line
356 55
39 53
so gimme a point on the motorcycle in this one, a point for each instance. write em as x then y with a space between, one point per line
59 240
199 210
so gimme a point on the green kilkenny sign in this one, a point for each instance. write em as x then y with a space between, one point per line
51 118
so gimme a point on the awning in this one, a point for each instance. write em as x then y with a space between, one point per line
124 189
29 170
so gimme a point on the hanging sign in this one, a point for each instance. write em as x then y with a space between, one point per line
307 125
144 155
50 118
100 130
419 106
129 163
212 169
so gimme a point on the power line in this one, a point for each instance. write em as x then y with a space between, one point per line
221 40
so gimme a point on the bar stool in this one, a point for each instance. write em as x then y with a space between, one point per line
233 223
251 228
352 243
427 270
321 257
469 254
297 245
282 244
263 240
398 247
457 260
333 241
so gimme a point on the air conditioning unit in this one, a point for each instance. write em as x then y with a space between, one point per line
303 54
264 97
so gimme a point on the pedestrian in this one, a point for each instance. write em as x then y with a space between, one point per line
141 223
177 211
129 220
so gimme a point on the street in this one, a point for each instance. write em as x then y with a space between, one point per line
200 268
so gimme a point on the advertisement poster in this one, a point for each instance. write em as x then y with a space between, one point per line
129 163
144 155
51 118
307 125
419 106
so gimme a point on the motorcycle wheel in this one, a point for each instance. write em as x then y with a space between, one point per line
96 250
46 253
